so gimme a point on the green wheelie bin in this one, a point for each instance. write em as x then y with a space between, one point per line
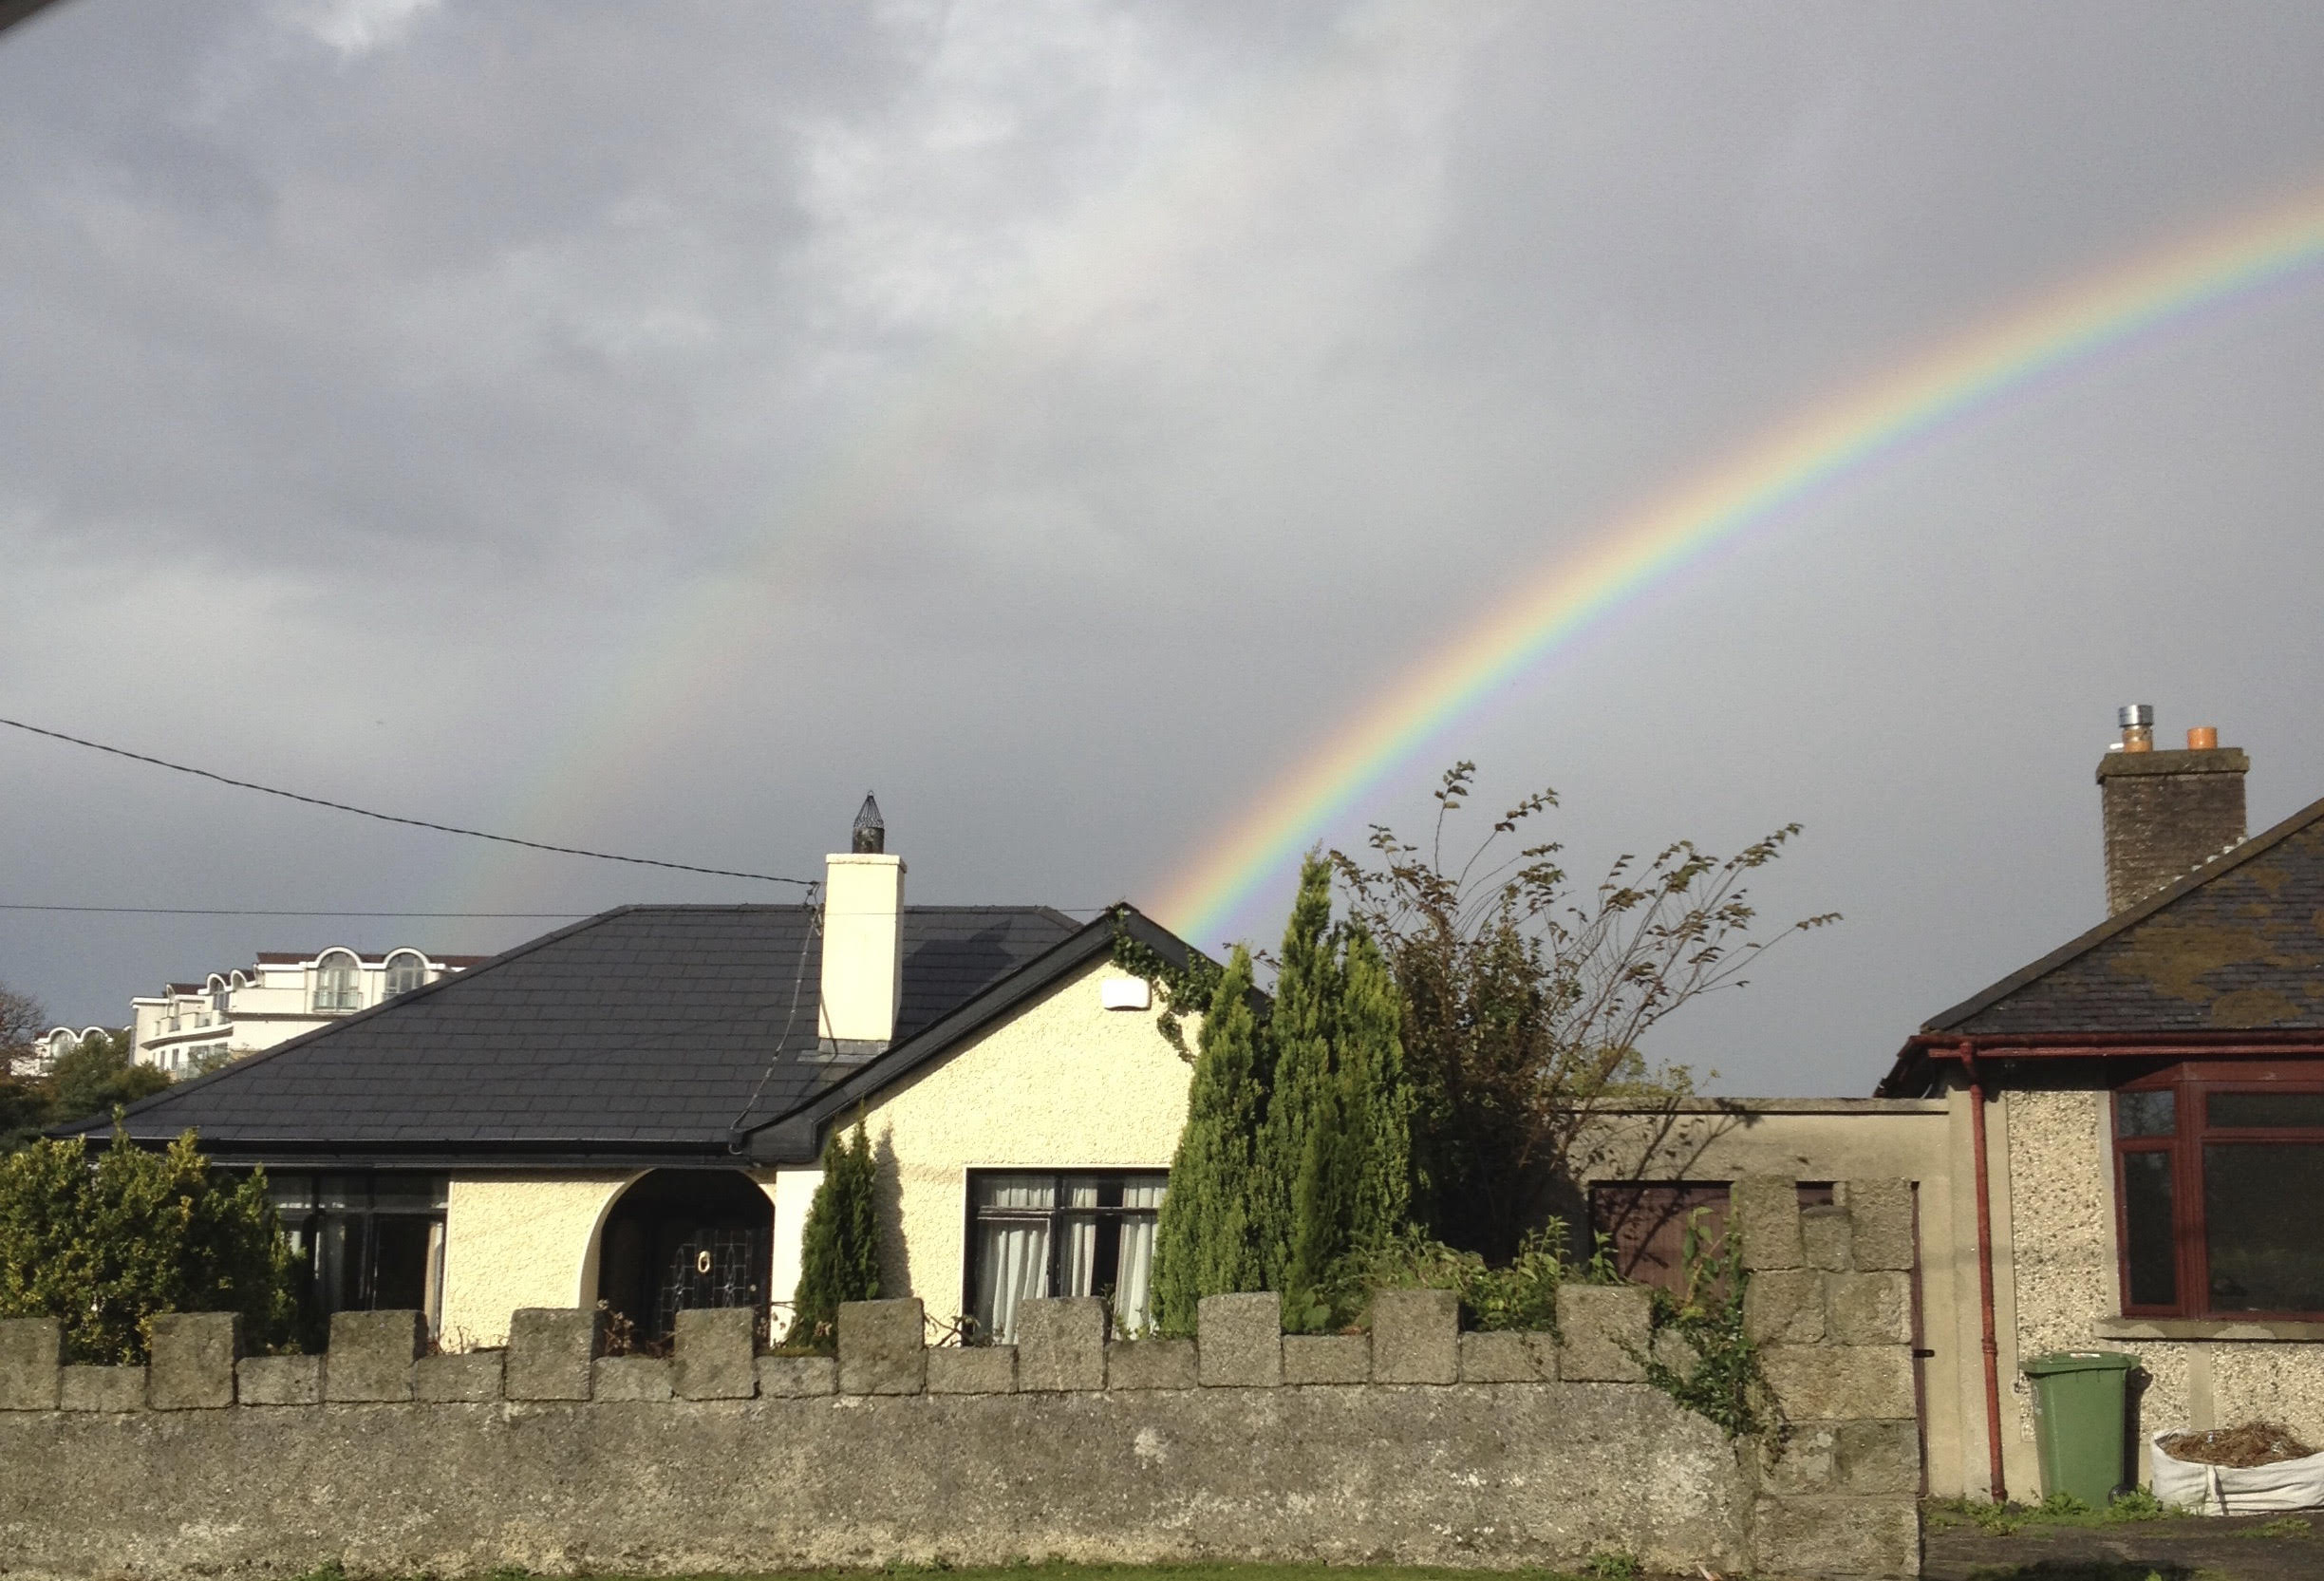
2081 1422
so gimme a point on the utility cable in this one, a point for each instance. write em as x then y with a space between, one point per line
410 823
782 1038
213 911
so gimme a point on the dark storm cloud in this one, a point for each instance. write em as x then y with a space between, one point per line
646 426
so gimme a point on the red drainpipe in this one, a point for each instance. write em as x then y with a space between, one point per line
1987 1336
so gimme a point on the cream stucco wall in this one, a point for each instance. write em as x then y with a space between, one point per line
513 1241
1065 1083
793 1192
2057 1228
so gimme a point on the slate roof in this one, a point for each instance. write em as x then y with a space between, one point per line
638 1036
2236 945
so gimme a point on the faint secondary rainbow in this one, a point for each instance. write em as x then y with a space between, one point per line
1753 488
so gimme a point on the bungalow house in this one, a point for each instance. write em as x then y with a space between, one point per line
632 1109
2145 1118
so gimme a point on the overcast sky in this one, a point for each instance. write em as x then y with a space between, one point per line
651 426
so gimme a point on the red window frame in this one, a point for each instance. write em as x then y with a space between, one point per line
2193 1086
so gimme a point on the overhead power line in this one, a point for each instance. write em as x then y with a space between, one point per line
217 911
247 911
409 822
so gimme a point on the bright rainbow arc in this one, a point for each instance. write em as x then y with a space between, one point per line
1753 488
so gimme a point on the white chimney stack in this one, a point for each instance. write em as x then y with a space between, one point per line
863 942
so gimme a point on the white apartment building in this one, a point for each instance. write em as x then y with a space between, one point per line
192 1027
40 1057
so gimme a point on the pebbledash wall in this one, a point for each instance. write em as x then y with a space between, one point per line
1413 1443
2059 1288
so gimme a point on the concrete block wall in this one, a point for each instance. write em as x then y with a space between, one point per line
1830 1303
1411 1443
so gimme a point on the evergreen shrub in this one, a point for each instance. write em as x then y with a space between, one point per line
839 1250
104 1246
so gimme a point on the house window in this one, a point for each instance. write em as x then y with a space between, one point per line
369 1242
1039 1235
336 983
2217 1170
406 973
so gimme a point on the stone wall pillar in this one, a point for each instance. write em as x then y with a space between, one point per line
1829 1304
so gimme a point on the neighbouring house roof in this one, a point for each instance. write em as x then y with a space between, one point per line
2235 946
650 1034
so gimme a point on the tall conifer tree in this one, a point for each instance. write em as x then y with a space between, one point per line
1207 1241
839 1243
1303 1165
1376 1098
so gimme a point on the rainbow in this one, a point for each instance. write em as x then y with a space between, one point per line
1759 486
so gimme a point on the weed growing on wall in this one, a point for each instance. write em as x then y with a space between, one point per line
1724 1382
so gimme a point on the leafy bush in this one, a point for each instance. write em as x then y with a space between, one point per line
103 1247
1521 1295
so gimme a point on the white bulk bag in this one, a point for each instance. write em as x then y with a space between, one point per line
2237 1490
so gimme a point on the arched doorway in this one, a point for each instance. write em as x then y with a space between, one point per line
686 1238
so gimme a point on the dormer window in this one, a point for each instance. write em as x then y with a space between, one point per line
405 971
337 986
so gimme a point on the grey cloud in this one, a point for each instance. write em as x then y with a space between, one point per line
649 427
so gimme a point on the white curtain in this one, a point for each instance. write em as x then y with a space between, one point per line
1078 1273
1132 1298
1012 1254
1012 1264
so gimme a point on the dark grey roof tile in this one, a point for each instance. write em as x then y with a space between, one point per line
649 1024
